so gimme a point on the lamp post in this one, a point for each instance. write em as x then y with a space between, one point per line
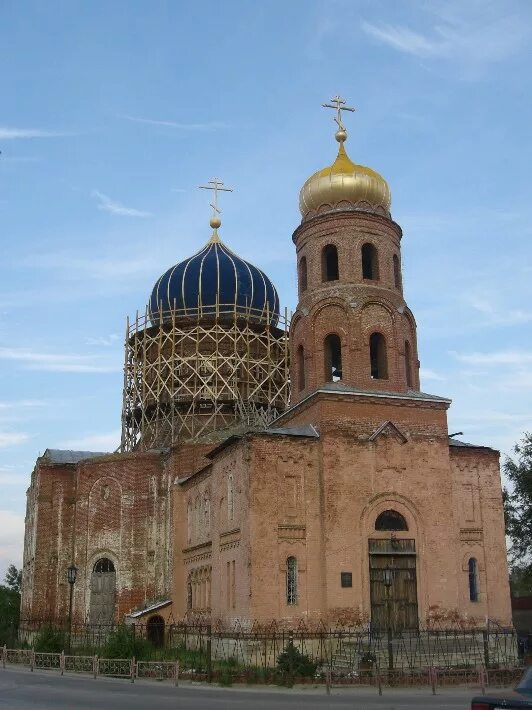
72 573
388 581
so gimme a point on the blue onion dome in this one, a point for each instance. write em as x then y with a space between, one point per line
214 278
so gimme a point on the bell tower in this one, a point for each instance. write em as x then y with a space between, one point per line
352 324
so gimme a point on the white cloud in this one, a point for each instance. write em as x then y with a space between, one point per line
7 133
459 34
499 316
501 357
11 539
401 38
9 476
17 403
94 442
207 126
106 268
428 374
57 362
12 438
105 340
106 204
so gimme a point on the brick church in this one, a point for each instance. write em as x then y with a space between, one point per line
272 469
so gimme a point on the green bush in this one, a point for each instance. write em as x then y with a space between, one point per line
50 639
123 643
226 677
292 661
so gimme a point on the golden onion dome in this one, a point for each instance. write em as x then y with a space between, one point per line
344 185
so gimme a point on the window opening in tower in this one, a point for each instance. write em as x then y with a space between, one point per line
370 262
329 263
333 358
378 358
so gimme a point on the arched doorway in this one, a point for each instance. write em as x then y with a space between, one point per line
103 592
155 630
393 574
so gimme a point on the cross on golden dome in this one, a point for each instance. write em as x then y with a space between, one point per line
338 104
216 186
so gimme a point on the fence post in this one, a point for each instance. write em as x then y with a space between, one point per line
291 657
378 677
328 680
95 667
390 648
32 660
485 639
482 680
432 676
4 655
176 674
132 669
209 654
62 662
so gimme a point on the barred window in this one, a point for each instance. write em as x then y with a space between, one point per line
472 566
291 580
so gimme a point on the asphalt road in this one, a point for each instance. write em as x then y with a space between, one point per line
23 690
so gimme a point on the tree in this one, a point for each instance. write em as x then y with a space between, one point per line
10 604
518 507
13 578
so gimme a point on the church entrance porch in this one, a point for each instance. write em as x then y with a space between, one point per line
393 583
102 592
155 630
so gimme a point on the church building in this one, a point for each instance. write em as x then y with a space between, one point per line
275 468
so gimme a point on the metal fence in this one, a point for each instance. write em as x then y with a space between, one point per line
262 652
131 669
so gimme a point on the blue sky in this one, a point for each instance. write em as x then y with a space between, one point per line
112 113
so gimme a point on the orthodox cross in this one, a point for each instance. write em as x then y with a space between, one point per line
216 186
338 104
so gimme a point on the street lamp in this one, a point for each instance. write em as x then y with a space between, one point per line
72 573
388 581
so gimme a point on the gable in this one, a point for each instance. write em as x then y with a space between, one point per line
389 429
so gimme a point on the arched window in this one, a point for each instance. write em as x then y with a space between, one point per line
370 262
378 357
104 565
472 568
332 347
303 274
329 263
230 498
291 580
396 271
300 368
391 520
408 364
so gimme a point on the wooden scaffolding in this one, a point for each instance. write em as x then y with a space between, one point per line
195 373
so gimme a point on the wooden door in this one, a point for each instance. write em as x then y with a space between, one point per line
393 591
103 593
